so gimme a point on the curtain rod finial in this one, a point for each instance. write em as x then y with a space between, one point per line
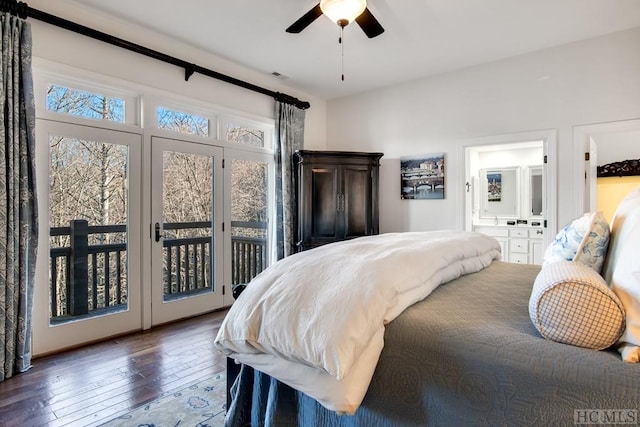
288 99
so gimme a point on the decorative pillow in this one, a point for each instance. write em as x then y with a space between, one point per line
584 240
622 271
572 304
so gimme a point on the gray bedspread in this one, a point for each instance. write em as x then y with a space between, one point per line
468 355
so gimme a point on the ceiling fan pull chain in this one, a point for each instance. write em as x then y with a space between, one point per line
341 41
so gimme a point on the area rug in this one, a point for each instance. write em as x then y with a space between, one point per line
201 404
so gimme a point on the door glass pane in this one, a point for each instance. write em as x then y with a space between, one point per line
187 212
249 218
88 199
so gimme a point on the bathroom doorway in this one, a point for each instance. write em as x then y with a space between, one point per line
510 191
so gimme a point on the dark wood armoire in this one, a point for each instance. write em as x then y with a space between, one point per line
337 196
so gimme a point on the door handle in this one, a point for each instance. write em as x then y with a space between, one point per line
340 207
158 234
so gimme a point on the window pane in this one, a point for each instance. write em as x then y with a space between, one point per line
249 217
85 104
187 216
178 121
244 135
88 195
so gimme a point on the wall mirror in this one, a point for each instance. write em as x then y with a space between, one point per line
535 208
500 196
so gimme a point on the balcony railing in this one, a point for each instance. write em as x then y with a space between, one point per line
248 254
187 260
89 275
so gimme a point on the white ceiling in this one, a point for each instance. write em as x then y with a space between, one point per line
422 37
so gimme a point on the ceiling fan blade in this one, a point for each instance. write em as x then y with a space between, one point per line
369 24
305 20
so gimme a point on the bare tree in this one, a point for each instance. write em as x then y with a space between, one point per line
88 180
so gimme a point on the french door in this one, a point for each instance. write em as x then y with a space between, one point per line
208 229
89 250
249 190
187 248
210 224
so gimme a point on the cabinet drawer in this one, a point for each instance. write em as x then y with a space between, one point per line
519 232
518 258
519 246
536 234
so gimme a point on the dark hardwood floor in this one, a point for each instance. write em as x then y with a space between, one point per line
91 385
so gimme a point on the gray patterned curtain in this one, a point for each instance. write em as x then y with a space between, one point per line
18 210
289 138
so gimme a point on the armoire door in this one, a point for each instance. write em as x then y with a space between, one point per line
355 210
321 202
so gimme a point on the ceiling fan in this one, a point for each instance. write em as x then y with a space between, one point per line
342 12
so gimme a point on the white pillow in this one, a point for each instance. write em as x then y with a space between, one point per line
622 271
584 240
572 304
619 230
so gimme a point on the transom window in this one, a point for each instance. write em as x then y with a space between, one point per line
248 132
245 135
181 122
82 103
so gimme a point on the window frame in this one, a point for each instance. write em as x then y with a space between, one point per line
267 128
131 98
155 103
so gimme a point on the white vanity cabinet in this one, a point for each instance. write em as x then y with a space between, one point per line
536 245
523 245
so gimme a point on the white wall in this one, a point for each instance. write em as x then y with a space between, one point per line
68 48
521 157
616 147
592 81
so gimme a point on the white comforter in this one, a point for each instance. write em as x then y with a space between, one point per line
315 320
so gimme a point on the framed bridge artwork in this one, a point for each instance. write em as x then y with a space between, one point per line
494 182
422 177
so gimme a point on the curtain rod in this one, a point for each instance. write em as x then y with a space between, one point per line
23 10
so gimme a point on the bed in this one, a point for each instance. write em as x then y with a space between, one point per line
468 353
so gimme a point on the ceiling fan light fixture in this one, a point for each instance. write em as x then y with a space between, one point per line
340 11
